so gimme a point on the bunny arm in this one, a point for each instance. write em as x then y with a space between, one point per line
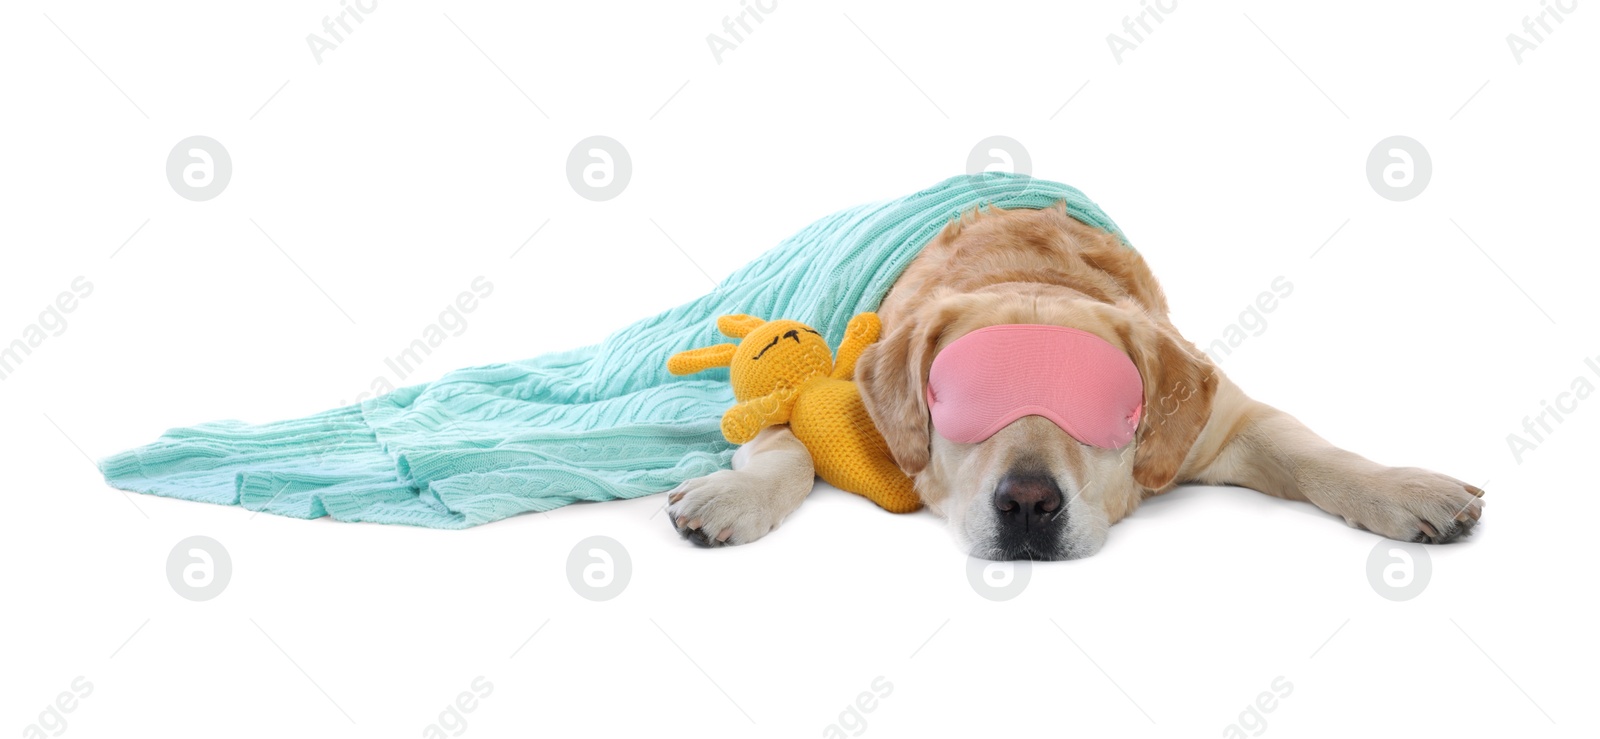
743 421
862 331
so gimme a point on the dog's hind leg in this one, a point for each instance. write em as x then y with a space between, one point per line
771 476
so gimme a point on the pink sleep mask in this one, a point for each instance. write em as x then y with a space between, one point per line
995 375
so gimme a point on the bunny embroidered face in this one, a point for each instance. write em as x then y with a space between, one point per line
772 356
778 354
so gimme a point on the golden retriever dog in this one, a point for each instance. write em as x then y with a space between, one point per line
1031 491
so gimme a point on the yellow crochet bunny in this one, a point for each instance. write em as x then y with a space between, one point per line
783 372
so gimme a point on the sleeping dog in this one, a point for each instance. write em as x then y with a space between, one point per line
1031 488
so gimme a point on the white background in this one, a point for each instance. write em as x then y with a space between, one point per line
408 162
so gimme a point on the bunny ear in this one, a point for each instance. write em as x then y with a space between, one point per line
738 325
706 357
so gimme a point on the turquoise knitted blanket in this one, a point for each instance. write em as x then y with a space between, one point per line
599 423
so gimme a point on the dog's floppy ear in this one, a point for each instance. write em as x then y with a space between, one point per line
891 376
1179 385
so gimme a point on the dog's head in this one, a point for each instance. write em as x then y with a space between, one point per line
1032 491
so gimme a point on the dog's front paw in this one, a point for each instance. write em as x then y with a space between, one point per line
723 508
1412 504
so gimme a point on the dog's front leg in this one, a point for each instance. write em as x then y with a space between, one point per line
771 476
1254 445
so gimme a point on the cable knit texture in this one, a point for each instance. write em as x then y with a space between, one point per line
603 422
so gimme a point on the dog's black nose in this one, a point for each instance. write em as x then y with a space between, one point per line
1024 498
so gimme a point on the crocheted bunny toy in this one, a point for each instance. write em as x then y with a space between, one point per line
783 372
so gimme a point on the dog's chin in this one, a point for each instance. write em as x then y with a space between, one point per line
1024 552
1075 542
1032 551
